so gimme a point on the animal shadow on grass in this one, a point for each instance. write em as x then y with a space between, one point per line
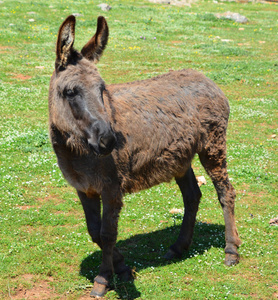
147 250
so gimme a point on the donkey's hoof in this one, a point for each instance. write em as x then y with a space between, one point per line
171 254
231 259
99 290
100 287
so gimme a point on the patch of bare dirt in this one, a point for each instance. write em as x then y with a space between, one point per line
39 290
21 77
25 207
88 297
275 294
176 42
5 49
56 199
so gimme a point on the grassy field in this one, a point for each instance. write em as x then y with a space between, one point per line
45 250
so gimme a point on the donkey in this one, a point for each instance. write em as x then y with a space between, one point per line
122 138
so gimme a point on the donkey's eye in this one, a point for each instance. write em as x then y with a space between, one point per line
70 93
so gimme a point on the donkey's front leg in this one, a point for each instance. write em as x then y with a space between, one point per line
112 204
92 211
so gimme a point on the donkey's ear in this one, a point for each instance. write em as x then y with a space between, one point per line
65 41
94 48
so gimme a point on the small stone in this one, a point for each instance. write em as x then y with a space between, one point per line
232 16
176 211
273 222
174 2
77 15
160 1
104 7
201 180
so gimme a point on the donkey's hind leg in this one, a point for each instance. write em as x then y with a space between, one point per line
213 158
191 197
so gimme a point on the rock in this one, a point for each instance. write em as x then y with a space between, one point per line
273 222
160 1
201 180
77 15
173 2
104 6
226 40
232 16
176 211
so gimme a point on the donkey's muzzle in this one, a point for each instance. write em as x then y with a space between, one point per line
101 138
103 144
106 143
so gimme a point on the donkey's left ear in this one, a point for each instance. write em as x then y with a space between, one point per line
94 48
65 41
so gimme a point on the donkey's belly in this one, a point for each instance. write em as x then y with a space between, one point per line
143 171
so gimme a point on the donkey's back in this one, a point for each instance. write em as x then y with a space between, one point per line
162 123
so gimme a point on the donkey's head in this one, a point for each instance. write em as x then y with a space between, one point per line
76 106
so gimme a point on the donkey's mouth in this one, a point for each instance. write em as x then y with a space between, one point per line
94 149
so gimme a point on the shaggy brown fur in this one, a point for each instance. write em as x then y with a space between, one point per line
117 139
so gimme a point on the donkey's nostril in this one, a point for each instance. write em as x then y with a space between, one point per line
102 143
106 143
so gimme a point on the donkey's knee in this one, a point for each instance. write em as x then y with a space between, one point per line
226 194
95 236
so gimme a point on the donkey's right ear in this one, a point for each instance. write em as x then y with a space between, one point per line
65 41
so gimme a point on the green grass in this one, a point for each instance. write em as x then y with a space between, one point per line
45 250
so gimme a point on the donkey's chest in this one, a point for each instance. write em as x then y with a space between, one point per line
81 173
